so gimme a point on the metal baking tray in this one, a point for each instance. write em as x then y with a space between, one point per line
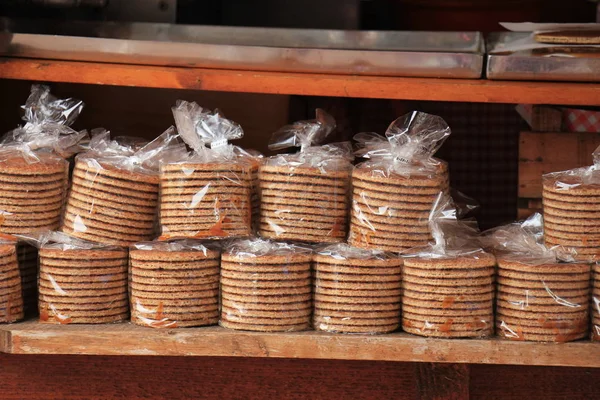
523 65
391 53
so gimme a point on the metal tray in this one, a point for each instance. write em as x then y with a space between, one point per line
424 54
523 66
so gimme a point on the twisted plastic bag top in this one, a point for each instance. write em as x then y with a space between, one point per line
308 135
179 245
408 146
452 237
256 247
207 132
131 154
343 251
47 127
574 178
524 242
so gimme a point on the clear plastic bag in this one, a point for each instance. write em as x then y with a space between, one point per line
206 193
394 190
174 284
114 192
539 296
81 282
11 297
356 290
304 196
33 169
448 286
266 286
571 202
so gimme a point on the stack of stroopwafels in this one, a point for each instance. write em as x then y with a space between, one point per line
110 205
83 286
205 200
391 212
266 292
11 298
596 302
255 196
356 291
449 297
546 303
572 215
27 256
32 193
174 285
304 204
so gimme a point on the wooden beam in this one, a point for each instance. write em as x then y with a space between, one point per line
127 339
462 90
442 381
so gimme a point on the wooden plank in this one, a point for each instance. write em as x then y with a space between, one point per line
533 383
544 152
467 90
442 381
86 378
127 339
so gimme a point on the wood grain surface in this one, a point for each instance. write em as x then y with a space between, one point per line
467 90
127 339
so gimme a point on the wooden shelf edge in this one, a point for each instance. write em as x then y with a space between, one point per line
130 340
430 89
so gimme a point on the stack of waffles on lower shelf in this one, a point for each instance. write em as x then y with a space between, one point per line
547 302
451 297
174 284
11 298
266 286
83 284
356 290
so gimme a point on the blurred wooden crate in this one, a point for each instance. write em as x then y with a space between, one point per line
544 152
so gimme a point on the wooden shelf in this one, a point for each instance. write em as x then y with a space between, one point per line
461 90
127 339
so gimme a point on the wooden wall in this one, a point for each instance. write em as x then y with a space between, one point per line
85 377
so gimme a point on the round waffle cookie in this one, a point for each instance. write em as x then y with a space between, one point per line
304 203
542 302
83 285
110 205
268 292
347 277
174 285
206 198
31 193
450 296
391 212
11 296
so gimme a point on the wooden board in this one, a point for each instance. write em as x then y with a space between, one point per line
541 153
127 339
467 90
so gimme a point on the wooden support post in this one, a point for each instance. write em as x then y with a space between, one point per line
442 381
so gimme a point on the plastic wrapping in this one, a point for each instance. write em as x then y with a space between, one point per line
266 286
11 297
174 284
304 196
448 286
539 298
33 170
356 290
114 192
206 193
394 190
571 201
81 282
